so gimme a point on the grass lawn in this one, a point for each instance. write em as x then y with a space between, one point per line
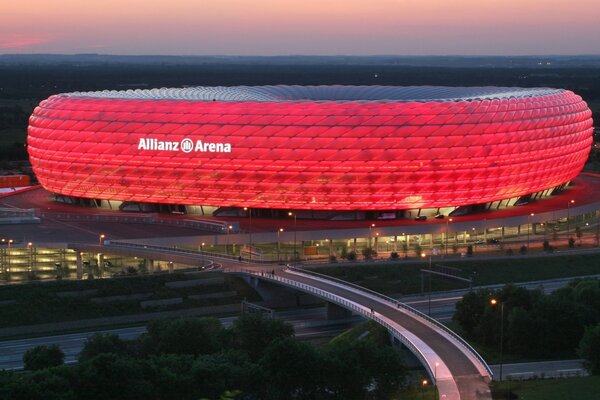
584 388
404 278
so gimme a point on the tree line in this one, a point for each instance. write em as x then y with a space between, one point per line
197 358
538 325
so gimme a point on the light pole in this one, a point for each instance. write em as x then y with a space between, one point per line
568 218
423 255
529 227
447 229
250 229
317 249
202 252
229 227
437 364
278 245
295 226
493 302
30 247
10 241
423 384
101 240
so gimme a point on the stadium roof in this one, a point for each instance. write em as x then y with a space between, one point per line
339 93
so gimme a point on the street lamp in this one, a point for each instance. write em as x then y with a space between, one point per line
423 255
10 241
447 228
568 217
30 247
494 302
423 384
101 240
202 252
291 214
278 245
250 229
437 364
371 234
229 228
529 227
317 249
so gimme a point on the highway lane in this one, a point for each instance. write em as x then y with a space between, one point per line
541 369
310 323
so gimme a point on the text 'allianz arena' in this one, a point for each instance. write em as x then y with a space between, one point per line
319 147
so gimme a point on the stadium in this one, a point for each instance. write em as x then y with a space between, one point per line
346 152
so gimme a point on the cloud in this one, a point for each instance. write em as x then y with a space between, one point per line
19 41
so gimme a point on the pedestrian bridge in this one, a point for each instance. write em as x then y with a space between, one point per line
457 369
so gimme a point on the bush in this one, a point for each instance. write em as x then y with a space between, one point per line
102 343
42 357
523 250
571 243
332 258
589 349
394 255
547 247
369 253
509 252
351 256
470 250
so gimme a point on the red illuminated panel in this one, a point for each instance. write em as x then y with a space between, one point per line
329 155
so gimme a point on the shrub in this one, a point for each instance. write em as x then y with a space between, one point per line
571 243
394 255
470 250
332 258
523 249
351 256
42 357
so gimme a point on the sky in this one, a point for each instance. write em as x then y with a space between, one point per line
308 27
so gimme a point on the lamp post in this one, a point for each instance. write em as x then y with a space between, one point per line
371 234
202 252
493 302
10 241
250 229
423 384
278 244
529 227
437 364
229 227
447 229
295 226
30 247
423 255
568 218
101 240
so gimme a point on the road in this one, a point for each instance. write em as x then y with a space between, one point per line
309 323
546 369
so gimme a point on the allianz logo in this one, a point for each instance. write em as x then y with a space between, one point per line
186 145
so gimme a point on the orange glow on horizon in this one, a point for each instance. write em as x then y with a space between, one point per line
308 27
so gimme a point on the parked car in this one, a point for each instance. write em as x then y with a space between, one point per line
421 218
439 216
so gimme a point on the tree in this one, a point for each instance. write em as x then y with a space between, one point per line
578 234
547 247
351 256
523 250
115 377
101 343
252 334
41 357
369 253
470 250
394 255
469 310
293 369
589 349
184 336
571 243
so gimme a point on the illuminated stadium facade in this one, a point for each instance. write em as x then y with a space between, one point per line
319 148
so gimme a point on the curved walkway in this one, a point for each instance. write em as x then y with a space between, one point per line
459 371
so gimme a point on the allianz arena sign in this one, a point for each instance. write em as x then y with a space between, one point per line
185 145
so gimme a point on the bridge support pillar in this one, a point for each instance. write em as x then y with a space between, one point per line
79 265
336 312
149 265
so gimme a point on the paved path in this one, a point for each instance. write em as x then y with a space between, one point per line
541 369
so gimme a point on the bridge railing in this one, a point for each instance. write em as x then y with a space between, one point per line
362 310
404 306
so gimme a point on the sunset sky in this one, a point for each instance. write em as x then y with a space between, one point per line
282 27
